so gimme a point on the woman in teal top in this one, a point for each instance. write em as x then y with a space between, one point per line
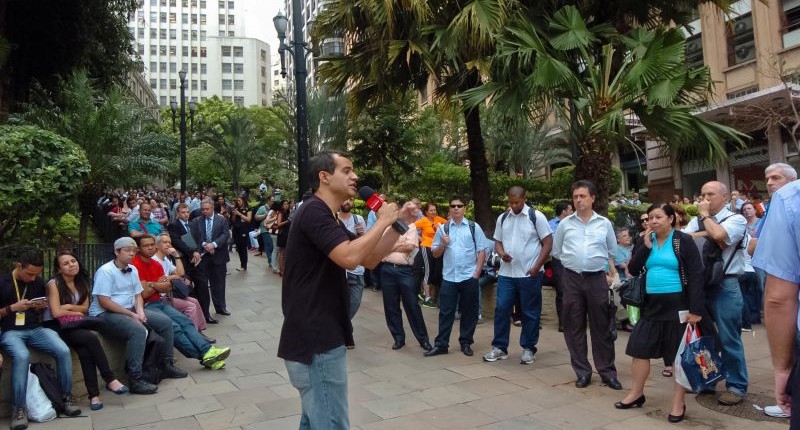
674 282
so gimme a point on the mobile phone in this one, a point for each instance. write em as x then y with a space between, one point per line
38 299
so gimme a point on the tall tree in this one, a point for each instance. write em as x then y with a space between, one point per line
642 73
327 120
122 144
397 45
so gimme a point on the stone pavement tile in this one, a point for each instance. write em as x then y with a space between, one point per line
230 417
252 326
359 378
249 336
257 368
136 401
477 370
204 375
246 396
188 407
490 386
434 378
208 389
551 397
506 406
279 408
285 391
392 407
76 423
360 415
390 370
572 417
401 423
558 375
244 348
519 423
284 423
186 423
456 417
439 397
389 388
357 393
125 418
262 380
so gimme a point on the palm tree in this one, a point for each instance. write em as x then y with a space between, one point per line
236 144
560 63
117 135
398 45
327 119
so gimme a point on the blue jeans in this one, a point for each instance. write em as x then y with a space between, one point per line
323 390
751 294
530 294
726 309
135 333
464 296
266 238
16 343
356 285
186 337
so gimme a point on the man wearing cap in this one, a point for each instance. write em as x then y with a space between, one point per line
118 302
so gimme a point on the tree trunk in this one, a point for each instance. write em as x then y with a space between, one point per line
478 171
594 164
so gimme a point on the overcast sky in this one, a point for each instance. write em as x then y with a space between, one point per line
258 20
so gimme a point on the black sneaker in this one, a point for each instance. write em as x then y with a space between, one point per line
70 409
138 386
172 372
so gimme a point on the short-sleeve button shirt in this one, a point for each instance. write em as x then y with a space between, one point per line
521 240
584 247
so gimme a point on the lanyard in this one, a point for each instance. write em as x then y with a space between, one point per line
16 287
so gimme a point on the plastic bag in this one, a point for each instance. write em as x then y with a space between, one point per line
701 365
40 409
680 377
633 314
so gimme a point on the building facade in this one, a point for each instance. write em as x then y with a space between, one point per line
754 59
208 40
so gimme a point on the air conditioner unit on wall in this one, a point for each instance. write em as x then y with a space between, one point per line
745 51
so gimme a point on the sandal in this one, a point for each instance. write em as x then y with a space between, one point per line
667 372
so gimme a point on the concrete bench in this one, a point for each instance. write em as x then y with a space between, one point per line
114 349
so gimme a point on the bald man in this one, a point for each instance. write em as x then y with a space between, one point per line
717 223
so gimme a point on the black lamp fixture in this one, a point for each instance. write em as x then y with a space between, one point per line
297 49
174 107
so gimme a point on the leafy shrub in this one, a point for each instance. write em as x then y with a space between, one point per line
563 177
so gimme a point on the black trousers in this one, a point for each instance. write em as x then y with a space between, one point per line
209 276
398 285
463 294
91 356
242 242
588 295
558 271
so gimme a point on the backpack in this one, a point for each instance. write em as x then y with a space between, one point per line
713 265
49 383
153 357
471 224
531 216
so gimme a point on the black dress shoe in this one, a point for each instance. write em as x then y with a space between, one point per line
426 346
583 381
398 345
207 339
612 383
169 371
435 351
223 312
674 419
139 386
637 403
467 350
210 320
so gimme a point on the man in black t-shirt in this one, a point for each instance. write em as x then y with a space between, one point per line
316 298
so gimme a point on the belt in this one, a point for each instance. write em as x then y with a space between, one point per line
395 265
586 274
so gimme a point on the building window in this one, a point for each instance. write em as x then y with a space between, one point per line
173 84
162 50
194 19
153 33
153 50
153 17
226 51
194 34
162 100
202 4
140 49
185 51
203 87
238 68
162 67
203 68
231 34
263 88
227 98
172 3
184 66
162 17
173 18
238 51
694 52
791 23
227 84
163 2
140 32
263 71
202 99
202 35
203 51
194 68
222 19
194 3
202 19
239 100
185 34
172 50
184 18
184 3
263 55
741 41
194 84
173 34
221 4
194 51
153 83
238 84
162 84
226 67
230 5
153 66
222 33
230 20
153 2
162 34
173 67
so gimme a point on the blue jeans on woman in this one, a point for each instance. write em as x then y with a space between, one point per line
323 390
268 248
16 343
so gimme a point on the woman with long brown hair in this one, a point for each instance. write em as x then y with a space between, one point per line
68 298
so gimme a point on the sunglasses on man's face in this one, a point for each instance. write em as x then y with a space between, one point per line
456 206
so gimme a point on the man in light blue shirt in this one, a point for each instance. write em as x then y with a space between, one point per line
584 242
463 245
563 209
778 253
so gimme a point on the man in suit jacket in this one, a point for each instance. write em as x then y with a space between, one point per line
210 232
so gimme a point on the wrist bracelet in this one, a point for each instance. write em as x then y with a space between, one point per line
8 310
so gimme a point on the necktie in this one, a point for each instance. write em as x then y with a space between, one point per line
185 226
208 229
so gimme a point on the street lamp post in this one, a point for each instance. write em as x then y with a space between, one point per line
174 107
299 60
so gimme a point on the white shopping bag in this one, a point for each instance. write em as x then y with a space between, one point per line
689 335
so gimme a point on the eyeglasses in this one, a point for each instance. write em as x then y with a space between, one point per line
456 206
643 220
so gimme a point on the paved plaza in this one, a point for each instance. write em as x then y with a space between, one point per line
401 389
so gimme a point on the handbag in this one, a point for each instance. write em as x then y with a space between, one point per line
632 291
700 365
612 312
66 320
180 288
